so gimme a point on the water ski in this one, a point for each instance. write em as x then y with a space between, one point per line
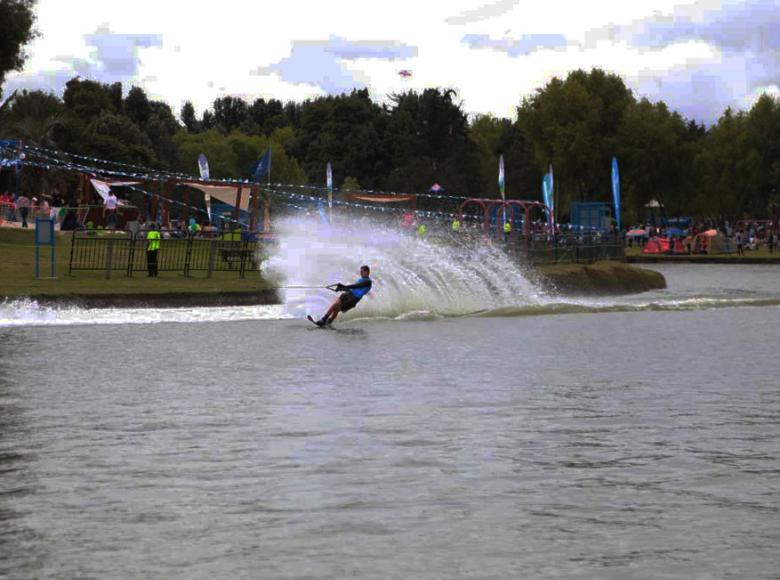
316 322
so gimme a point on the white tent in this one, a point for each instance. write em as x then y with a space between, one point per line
224 193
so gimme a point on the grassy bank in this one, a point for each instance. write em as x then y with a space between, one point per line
598 278
17 275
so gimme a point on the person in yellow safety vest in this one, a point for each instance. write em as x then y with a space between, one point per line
456 225
507 228
421 230
152 247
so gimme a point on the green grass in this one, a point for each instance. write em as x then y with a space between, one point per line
17 274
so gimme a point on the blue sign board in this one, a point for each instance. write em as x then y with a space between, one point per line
44 236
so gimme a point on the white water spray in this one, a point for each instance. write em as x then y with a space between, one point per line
412 277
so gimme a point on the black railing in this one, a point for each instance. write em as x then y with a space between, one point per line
571 248
126 252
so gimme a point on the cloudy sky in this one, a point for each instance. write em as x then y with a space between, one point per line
699 57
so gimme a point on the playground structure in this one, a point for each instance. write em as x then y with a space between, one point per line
521 214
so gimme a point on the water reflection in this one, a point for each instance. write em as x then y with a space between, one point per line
21 546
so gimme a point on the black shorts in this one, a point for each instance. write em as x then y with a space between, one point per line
348 301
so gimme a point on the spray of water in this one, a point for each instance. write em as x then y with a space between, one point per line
413 276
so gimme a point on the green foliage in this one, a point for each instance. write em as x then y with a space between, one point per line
232 156
351 184
494 137
113 136
16 30
416 139
655 159
340 129
34 117
573 124
426 139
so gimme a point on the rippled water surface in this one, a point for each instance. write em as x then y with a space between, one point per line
618 440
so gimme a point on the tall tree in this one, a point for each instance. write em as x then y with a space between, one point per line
16 30
189 118
574 124
137 107
230 113
426 139
34 117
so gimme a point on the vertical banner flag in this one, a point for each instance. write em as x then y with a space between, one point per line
546 194
616 191
552 195
203 165
329 179
501 187
263 166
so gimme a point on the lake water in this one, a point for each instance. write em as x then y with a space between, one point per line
545 437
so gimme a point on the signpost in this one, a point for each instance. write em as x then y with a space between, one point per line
44 236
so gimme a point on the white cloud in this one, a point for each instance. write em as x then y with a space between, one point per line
320 63
493 52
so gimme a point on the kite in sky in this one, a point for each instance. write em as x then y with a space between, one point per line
405 73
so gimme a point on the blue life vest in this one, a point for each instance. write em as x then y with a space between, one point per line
360 292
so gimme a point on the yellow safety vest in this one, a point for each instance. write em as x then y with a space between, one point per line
421 229
154 240
456 226
507 227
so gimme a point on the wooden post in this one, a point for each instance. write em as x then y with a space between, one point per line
167 203
109 258
186 200
237 211
154 202
83 185
255 192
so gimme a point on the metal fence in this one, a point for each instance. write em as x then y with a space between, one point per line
126 252
543 249
572 249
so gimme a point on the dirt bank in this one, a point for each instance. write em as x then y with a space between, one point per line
598 278
167 300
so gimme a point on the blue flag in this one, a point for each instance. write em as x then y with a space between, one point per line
547 194
329 179
501 184
262 166
616 190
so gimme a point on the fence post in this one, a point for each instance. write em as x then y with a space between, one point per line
131 256
109 257
212 256
188 256
243 260
72 247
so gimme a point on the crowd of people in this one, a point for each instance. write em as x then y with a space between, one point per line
22 210
744 235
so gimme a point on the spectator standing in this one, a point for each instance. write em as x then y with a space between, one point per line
152 249
23 204
740 241
6 206
109 210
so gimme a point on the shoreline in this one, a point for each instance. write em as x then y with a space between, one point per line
664 259
598 278
159 300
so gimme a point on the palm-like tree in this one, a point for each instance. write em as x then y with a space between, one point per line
38 131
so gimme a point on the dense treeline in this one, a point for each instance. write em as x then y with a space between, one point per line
730 170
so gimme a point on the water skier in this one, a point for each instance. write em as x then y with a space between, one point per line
349 299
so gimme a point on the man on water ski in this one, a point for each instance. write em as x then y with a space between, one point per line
349 299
